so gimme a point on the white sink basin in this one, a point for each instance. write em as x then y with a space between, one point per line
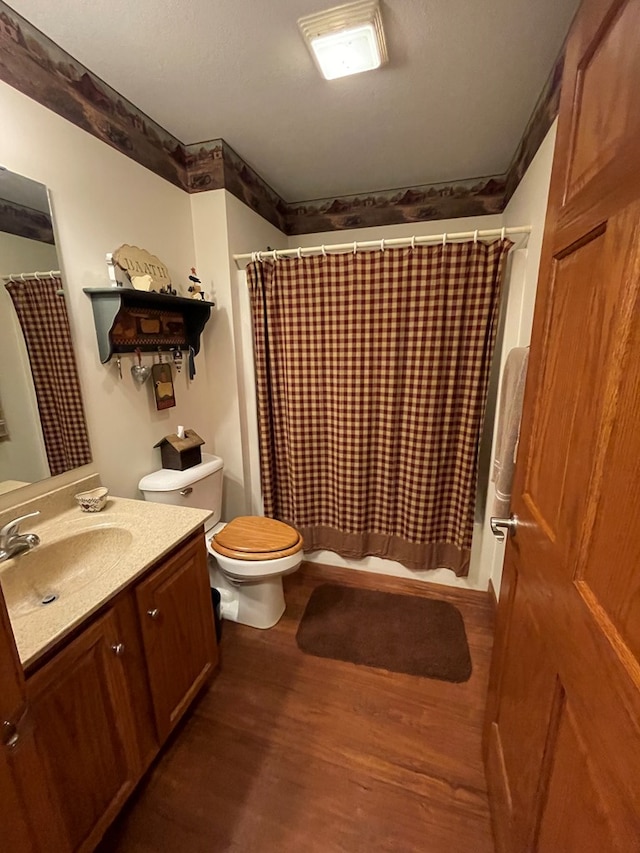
52 571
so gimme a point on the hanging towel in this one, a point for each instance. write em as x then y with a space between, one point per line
509 416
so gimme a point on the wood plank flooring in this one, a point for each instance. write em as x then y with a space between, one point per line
287 752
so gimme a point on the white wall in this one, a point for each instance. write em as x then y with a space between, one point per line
527 205
222 226
18 254
100 200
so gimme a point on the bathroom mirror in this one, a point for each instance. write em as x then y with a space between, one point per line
42 423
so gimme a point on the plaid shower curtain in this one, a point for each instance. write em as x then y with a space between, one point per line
45 326
372 372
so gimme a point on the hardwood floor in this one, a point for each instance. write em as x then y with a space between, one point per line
287 752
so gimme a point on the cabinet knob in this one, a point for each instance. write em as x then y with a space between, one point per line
153 613
10 734
118 649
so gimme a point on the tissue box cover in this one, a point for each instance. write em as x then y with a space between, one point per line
181 453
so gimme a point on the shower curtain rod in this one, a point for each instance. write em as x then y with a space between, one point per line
343 248
20 276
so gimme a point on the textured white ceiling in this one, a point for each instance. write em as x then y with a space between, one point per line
452 103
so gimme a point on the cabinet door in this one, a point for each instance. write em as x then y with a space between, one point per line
178 632
84 730
29 821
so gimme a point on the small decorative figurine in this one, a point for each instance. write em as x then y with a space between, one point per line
168 290
194 288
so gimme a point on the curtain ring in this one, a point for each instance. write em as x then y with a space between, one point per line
259 256
324 251
413 242
275 256
355 247
475 236
22 276
299 253
36 276
502 233
444 239
382 245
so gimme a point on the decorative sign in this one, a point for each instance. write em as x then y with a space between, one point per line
144 270
163 386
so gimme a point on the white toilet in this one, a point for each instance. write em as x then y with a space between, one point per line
249 555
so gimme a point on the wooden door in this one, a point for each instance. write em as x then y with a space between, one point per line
562 738
84 730
29 819
176 615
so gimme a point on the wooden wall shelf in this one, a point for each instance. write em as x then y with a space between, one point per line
128 319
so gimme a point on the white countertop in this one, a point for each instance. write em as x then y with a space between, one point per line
144 533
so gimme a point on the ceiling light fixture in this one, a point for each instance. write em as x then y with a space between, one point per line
346 39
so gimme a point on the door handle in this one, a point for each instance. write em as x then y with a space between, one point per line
500 525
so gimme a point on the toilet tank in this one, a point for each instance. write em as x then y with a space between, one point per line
199 487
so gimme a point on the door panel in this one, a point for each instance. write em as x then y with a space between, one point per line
618 593
577 778
83 725
523 759
606 90
29 819
575 308
174 604
567 720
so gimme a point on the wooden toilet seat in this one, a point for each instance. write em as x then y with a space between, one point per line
251 537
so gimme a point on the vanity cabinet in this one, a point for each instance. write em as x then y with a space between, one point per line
174 606
29 819
101 706
83 720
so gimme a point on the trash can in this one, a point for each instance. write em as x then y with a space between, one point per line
215 601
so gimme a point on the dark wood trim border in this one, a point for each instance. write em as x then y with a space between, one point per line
25 222
35 65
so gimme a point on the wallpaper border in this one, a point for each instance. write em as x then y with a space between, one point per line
35 65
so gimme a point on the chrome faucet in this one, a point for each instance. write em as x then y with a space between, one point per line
13 542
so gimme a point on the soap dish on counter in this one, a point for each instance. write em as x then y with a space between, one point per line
94 500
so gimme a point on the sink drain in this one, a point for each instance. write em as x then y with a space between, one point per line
49 599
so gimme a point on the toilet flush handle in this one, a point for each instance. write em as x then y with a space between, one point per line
187 491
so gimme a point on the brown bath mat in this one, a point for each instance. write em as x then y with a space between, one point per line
400 633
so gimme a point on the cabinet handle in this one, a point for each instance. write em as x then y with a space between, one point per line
118 649
10 734
186 492
153 613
